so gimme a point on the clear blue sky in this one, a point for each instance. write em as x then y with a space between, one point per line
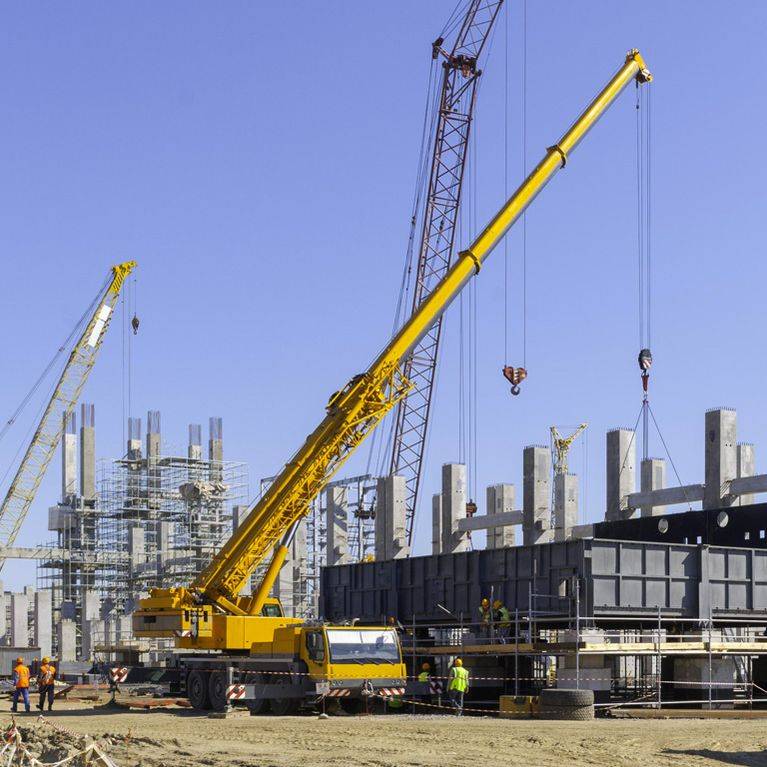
258 160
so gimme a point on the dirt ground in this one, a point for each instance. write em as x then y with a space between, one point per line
179 738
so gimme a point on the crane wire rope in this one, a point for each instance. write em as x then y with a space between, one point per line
62 348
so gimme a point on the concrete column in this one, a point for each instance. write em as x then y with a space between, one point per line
746 467
69 458
453 508
124 628
620 472
336 524
153 435
536 493
436 524
565 505
134 439
194 450
136 545
67 640
721 456
652 477
500 499
89 612
19 620
390 532
88 452
164 536
215 447
44 622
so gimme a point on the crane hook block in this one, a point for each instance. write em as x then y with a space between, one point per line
514 376
135 322
645 360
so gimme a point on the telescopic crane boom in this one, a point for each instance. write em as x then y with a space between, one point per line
352 413
47 436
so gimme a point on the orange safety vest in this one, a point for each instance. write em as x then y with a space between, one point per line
47 673
22 676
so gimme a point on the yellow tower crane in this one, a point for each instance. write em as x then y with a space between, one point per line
560 447
47 436
254 643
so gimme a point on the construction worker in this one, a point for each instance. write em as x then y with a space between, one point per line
424 678
502 619
20 684
45 683
485 615
458 686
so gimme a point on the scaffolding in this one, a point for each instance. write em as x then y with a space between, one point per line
155 521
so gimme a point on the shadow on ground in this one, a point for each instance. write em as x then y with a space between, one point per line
744 758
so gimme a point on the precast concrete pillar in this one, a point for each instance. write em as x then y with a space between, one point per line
652 476
721 457
620 472
536 493
453 508
500 500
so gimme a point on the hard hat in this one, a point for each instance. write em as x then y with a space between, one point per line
485 602
497 604
425 666
19 660
391 620
458 662
46 659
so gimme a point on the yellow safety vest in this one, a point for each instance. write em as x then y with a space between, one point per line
423 676
459 679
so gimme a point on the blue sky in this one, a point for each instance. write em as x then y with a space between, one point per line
258 160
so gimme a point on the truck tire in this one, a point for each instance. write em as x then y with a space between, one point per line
257 706
556 697
577 713
217 690
284 706
197 690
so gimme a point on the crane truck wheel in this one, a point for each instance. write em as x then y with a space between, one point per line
217 690
284 706
257 706
197 690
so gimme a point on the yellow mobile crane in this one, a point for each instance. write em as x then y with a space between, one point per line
257 653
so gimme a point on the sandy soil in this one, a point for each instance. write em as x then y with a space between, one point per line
183 739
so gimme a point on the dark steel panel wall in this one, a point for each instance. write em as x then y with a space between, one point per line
617 578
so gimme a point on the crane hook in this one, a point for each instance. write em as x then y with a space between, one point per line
135 322
514 376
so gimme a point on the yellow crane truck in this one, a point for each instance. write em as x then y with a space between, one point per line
242 648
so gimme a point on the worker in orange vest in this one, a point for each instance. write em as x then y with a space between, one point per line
21 684
45 683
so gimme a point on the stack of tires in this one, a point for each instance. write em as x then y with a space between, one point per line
566 704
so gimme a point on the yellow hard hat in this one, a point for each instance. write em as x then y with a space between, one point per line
485 602
425 666
497 603
46 659
19 660
458 662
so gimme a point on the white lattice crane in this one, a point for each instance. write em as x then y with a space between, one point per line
47 436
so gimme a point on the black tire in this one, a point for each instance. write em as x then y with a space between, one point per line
558 698
576 713
197 690
284 706
217 690
257 706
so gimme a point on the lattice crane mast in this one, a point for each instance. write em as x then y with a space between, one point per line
460 77
47 436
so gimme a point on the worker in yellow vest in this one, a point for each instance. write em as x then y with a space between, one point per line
485 616
45 683
502 619
20 684
458 686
